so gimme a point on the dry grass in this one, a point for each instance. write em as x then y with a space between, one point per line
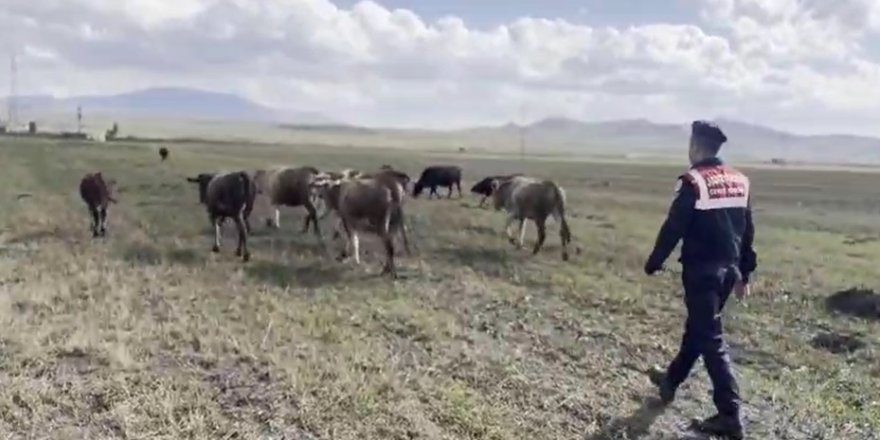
145 334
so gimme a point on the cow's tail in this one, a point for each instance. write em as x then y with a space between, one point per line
559 213
247 190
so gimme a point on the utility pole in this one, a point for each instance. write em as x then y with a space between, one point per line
12 116
522 132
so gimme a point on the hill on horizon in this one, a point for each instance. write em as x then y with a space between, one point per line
169 102
552 135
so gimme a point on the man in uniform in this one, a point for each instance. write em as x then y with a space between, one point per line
711 213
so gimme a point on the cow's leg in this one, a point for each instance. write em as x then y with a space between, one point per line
542 234
458 185
336 230
522 233
306 222
433 192
275 220
313 217
451 188
347 229
389 268
103 221
507 225
483 201
564 233
355 247
215 221
242 250
96 220
247 218
404 235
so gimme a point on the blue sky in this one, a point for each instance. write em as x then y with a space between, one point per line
487 13
809 66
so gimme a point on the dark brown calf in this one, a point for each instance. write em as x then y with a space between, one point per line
96 193
228 195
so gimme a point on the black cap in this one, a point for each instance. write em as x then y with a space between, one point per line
708 130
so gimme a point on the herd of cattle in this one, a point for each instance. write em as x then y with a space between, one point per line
362 202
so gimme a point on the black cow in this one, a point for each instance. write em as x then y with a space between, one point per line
228 195
439 175
97 195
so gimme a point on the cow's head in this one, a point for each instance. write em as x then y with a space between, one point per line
202 181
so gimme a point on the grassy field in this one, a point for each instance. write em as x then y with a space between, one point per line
146 334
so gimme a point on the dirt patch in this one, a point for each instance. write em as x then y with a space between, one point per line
853 241
77 361
247 390
861 303
837 343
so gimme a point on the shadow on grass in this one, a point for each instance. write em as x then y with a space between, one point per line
316 274
860 303
44 234
489 261
142 254
636 425
186 257
146 254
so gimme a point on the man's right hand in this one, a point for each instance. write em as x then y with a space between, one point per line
742 290
651 268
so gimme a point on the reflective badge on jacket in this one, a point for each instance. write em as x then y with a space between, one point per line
720 188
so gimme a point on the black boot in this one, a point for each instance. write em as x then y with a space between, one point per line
729 427
667 391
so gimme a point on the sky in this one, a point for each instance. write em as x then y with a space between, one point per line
808 66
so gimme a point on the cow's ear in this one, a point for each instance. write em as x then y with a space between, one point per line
192 179
494 184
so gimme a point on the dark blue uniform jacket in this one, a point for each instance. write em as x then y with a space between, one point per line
712 214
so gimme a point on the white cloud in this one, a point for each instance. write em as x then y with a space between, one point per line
794 62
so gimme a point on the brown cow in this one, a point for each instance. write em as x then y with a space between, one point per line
373 205
528 198
386 176
487 185
97 195
287 186
163 153
228 195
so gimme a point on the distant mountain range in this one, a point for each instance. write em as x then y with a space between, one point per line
551 135
169 102
639 136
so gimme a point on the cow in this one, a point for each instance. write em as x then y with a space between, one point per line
163 154
98 195
386 176
286 186
525 198
442 175
485 187
228 195
372 205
